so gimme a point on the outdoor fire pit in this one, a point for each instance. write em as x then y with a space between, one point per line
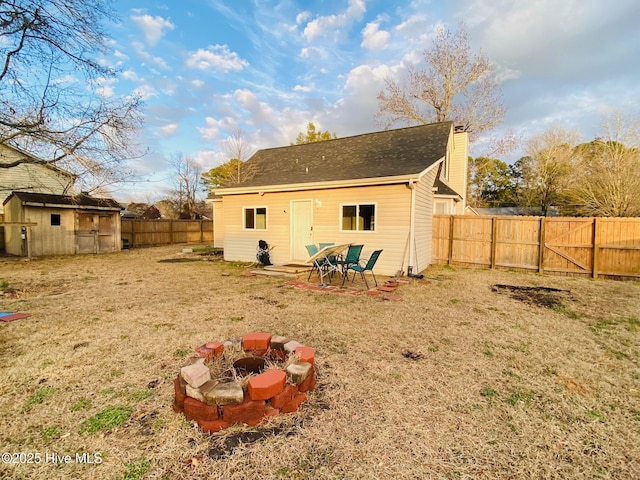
244 380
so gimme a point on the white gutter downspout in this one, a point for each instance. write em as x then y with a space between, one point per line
412 230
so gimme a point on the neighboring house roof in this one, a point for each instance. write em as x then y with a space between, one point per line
404 152
140 210
83 201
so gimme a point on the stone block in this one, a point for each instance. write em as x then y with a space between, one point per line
256 342
195 393
217 347
286 396
227 393
291 346
249 412
278 342
299 371
294 403
197 410
196 374
266 385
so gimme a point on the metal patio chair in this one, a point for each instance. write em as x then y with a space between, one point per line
368 267
351 258
312 250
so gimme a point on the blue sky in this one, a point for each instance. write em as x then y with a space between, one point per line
205 67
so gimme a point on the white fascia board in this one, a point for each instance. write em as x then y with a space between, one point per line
320 185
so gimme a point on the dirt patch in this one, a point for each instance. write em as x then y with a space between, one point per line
539 296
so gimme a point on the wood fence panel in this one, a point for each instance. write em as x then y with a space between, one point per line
619 246
165 232
560 245
517 242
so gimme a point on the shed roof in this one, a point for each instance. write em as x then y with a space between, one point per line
81 201
389 153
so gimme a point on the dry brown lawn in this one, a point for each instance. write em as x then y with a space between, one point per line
456 380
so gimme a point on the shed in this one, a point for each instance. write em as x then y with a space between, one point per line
377 189
39 224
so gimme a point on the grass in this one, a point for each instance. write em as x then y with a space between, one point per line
107 419
453 381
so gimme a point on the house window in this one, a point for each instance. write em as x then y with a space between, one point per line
441 208
255 218
55 219
361 217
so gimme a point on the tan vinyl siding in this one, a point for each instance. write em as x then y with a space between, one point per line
218 225
459 157
29 177
391 223
423 222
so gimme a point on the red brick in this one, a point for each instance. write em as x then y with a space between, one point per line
249 411
309 383
177 408
271 412
306 354
217 347
256 341
197 410
395 298
205 352
282 398
277 354
267 384
213 426
294 403
373 292
387 288
179 386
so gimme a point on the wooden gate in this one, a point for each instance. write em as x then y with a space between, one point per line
568 245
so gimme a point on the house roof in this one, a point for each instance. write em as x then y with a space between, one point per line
37 161
81 201
391 153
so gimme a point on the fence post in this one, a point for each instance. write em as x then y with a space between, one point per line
494 242
450 253
541 240
171 231
133 232
596 249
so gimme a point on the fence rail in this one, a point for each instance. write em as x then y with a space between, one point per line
139 233
559 245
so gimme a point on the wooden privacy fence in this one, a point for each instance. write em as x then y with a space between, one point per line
140 233
559 245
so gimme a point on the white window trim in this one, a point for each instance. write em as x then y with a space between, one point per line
357 205
244 216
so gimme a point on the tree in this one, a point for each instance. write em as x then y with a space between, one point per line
492 183
236 170
608 174
187 183
548 169
50 90
313 136
456 85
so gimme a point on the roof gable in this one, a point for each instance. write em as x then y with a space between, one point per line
390 153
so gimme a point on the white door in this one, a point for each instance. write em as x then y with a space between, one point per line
301 229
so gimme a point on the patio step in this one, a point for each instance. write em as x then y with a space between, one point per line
288 268
273 273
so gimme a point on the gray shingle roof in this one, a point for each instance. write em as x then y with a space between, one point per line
398 152
79 201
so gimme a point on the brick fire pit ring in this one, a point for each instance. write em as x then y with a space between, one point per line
244 381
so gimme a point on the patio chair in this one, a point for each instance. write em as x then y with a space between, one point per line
351 258
322 245
369 266
312 250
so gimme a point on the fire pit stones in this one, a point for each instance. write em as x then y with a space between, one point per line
219 403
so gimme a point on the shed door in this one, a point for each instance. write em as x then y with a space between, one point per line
301 229
106 234
86 233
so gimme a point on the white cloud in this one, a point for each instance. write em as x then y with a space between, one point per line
105 91
216 57
260 112
303 17
335 26
143 54
373 38
152 27
197 83
212 128
169 129
130 75
145 91
301 88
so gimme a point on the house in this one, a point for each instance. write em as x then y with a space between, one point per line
32 175
379 189
45 224
141 211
